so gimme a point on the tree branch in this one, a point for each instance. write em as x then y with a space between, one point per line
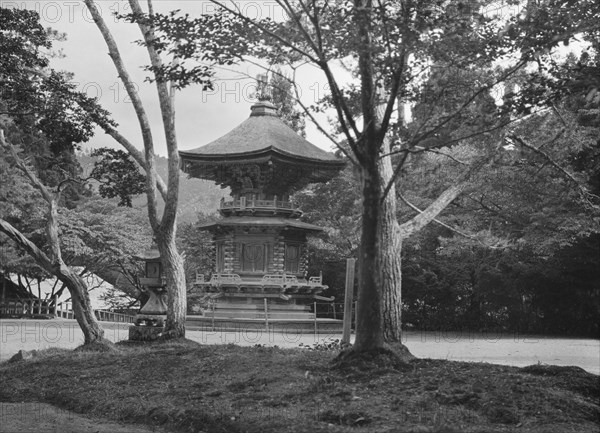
585 194
433 210
138 157
19 238
437 221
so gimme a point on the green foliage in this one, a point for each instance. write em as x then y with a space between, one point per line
118 174
335 206
43 112
280 92
98 234
197 246
41 99
221 42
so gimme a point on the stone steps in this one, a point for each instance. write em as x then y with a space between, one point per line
287 328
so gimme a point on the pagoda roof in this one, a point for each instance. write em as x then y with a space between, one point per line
235 221
262 137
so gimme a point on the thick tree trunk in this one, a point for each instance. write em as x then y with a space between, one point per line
369 326
389 256
176 286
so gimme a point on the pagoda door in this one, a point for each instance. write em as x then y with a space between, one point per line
253 258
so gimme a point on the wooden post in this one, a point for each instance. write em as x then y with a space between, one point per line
212 306
348 300
316 330
266 315
333 306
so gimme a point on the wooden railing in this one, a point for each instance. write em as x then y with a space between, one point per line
28 306
64 310
281 279
110 316
244 203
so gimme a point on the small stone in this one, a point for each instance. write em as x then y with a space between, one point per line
22 355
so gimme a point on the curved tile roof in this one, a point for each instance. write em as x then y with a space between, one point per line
262 133
261 221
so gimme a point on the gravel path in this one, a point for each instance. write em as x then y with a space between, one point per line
507 349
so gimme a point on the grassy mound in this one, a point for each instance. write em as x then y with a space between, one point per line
183 386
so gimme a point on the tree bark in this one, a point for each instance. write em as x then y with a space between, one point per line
176 286
369 323
82 306
389 255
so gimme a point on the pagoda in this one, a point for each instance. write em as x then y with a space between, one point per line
260 243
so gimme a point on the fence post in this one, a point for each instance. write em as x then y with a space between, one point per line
334 315
316 330
349 295
212 306
266 315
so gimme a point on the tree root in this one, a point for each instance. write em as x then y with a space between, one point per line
395 356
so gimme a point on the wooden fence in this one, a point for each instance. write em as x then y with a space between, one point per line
32 307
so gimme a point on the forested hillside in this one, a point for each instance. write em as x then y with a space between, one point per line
195 195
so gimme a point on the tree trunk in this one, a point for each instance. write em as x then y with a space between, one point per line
82 307
369 326
176 286
389 255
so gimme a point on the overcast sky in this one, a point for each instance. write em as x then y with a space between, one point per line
200 116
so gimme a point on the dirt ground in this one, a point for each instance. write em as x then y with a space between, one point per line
42 417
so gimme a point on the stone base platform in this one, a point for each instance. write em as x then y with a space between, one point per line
148 327
287 327
145 333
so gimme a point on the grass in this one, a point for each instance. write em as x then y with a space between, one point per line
185 387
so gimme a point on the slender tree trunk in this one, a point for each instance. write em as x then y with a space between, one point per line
82 306
176 286
164 228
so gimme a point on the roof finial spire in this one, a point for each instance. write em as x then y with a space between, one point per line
263 92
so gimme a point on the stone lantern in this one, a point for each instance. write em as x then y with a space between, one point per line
149 323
